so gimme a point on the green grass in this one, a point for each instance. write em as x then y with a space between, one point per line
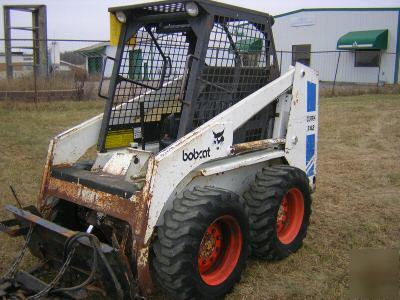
356 204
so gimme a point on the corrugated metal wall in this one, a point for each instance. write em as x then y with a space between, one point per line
322 29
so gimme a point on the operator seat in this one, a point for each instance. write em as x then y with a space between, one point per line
169 130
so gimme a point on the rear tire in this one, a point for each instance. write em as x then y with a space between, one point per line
202 247
279 203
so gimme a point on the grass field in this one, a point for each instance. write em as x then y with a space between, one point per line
356 204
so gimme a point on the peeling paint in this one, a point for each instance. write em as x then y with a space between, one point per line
256 145
97 200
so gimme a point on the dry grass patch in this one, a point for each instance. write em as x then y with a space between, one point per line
356 204
347 89
26 83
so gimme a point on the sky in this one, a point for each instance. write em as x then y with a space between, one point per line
88 19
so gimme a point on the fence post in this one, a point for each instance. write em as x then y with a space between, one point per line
7 43
35 99
379 71
334 80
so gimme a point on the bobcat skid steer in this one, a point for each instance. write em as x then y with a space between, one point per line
205 155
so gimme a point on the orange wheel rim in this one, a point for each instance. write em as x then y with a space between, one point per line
290 216
219 250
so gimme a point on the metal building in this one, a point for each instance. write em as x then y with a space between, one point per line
367 40
95 55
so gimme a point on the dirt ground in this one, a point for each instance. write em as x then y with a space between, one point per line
356 204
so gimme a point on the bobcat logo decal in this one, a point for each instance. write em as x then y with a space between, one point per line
218 138
195 154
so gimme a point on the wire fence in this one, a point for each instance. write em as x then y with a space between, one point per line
359 67
75 66
72 72
341 70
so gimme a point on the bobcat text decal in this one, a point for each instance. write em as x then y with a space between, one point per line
196 154
218 140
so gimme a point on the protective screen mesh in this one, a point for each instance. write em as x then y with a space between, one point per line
236 65
154 64
155 67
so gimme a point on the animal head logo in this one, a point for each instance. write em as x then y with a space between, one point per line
218 138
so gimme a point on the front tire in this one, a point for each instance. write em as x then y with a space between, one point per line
279 203
202 247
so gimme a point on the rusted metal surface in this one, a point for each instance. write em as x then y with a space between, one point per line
257 145
143 272
97 200
45 178
127 272
143 200
134 212
236 162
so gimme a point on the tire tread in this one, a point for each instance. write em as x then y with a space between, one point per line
176 238
263 199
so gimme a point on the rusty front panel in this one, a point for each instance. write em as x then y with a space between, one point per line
135 213
45 177
256 145
99 201
140 225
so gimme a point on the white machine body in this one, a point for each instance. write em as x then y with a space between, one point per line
198 158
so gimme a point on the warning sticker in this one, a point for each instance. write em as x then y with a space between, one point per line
137 133
119 138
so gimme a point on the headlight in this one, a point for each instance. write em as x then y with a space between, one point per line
192 9
121 16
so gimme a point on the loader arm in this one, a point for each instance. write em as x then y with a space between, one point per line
198 147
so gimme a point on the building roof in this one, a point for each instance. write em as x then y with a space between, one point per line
339 9
95 49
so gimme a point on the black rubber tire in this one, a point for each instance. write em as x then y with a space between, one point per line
175 249
263 199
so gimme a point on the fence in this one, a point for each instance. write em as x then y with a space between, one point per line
75 66
343 70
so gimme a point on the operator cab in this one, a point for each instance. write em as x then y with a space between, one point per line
179 64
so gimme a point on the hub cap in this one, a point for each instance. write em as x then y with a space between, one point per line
219 250
290 216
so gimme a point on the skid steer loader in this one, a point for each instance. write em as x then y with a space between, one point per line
205 155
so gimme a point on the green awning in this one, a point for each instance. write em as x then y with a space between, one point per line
252 45
368 40
96 50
